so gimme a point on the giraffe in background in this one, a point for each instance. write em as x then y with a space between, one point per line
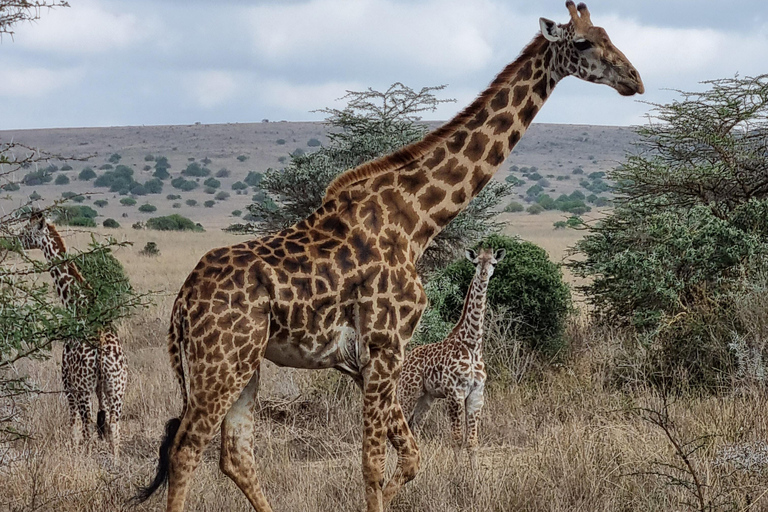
87 366
339 289
453 368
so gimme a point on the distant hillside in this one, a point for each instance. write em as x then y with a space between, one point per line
230 151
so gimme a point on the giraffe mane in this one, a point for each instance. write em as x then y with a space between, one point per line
58 243
418 149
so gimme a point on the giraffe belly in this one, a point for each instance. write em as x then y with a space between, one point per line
339 351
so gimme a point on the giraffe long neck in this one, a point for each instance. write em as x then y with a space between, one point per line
469 329
478 140
66 276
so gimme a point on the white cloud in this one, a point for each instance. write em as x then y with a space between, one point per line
450 36
302 98
88 27
35 82
211 89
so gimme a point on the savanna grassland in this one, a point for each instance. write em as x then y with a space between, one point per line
555 436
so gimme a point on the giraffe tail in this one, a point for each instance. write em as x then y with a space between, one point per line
175 350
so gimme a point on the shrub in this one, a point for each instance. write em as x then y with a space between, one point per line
153 186
173 222
209 190
75 216
34 196
209 204
526 285
561 224
242 158
38 177
239 185
514 180
222 196
150 249
106 167
110 223
114 158
183 184
223 173
280 142
534 191
61 179
253 178
66 167
514 206
191 202
147 208
176 205
172 197
196 170
128 201
101 203
237 213
161 173
149 158
313 143
535 209
10 187
212 183
206 160
82 222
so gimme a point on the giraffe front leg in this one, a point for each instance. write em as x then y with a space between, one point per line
408 457
456 416
473 406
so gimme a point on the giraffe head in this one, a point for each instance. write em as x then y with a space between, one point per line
485 261
35 232
586 51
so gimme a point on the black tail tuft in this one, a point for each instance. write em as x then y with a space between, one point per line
161 478
101 421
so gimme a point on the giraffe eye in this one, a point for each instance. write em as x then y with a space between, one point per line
582 45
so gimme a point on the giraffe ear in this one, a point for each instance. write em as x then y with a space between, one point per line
471 255
499 254
550 30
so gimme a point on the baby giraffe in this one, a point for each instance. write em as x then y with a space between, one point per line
453 368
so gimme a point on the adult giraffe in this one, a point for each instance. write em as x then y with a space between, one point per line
340 289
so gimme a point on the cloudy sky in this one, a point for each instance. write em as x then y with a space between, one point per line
139 62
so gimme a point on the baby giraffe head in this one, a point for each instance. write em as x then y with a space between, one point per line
586 51
485 261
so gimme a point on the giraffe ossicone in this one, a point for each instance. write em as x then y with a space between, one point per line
87 366
339 289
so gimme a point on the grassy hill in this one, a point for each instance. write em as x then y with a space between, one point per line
562 155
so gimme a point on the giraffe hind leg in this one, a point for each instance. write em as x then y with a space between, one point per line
237 433
208 405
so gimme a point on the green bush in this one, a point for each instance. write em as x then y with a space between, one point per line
280 142
101 203
75 215
313 143
242 158
66 167
535 209
153 186
196 170
110 223
183 184
253 178
239 185
212 183
237 213
147 208
150 249
114 158
61 179
173 222
514 206
191 202
209 204
128 201
149 158
176 205
526 285
34 196
83 222
38 177
161 173
106 167
223 173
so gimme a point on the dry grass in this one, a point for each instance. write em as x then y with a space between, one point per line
561 439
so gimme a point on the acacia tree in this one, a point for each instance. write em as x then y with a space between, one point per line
690 227
13 12
372 124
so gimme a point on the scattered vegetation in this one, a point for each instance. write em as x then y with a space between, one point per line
173 222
